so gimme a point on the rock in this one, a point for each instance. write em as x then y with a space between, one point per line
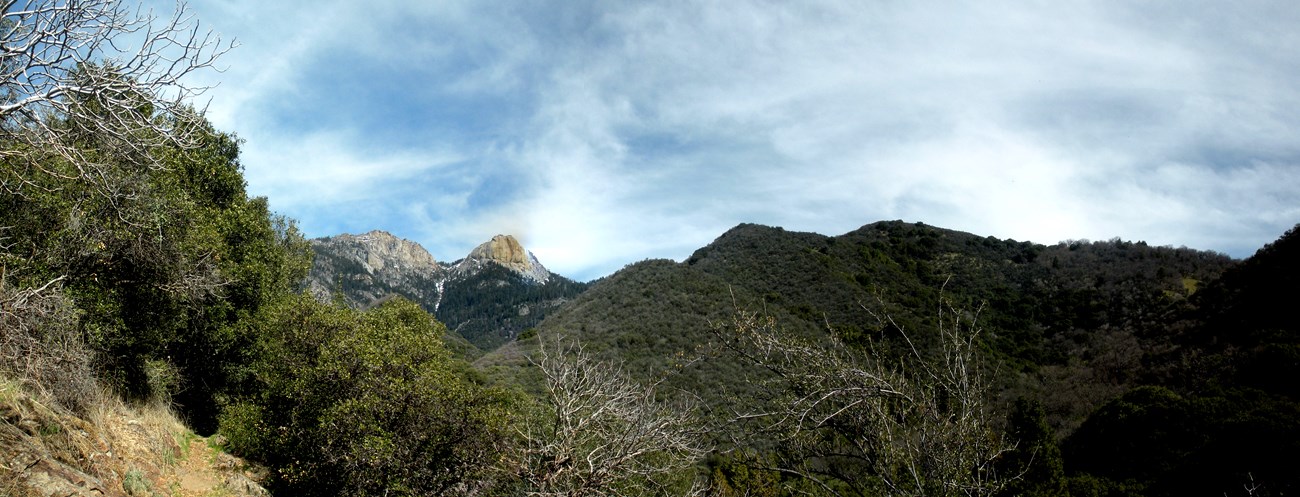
371 267
366 270
506 251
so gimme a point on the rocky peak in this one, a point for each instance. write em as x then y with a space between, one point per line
365 270
506 251
376 264
380 250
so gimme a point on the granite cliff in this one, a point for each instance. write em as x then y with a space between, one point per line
372 266
506 251
491 295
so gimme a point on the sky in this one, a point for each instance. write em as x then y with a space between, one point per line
601 133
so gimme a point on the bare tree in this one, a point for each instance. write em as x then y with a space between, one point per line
868 423
85 80
600 433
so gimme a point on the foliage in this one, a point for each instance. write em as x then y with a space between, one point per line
1157 442
163 271
95 72
121 200
1033 467
364 403
746 474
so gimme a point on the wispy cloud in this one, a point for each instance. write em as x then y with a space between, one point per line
606 132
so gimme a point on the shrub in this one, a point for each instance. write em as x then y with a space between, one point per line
41 344
364 403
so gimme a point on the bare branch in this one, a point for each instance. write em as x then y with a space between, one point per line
898 426
600 433
91 83
41 344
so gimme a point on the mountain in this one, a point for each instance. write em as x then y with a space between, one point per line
1220 408
1160 370
370 267
488 297
1079 314
506 252
1157 370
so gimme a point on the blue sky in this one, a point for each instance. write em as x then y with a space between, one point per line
603 133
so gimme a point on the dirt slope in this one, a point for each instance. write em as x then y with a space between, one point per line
115 450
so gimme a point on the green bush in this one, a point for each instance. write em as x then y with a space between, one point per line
364 403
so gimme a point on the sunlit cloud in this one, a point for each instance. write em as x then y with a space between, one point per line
602 133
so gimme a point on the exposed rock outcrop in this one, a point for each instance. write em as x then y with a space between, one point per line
488 297
372 266
506 251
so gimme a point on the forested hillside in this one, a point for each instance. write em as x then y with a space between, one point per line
494 305
1071 312
1084 334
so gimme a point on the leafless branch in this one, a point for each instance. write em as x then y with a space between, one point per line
41 344
86 82
600 433
914 425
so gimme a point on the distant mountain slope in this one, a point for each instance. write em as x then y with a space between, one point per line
493 304
488 297
1074 312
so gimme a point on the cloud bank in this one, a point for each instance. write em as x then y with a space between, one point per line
602 133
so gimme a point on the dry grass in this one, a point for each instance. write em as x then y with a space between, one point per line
63 433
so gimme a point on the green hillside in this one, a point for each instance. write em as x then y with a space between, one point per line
1097 333
1068 311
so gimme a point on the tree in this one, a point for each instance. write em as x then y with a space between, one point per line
100 69
599 433
98 143
868 423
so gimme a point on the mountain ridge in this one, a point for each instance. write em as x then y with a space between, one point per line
1054 305
1128 349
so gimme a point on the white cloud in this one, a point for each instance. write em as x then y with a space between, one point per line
322 169
605 132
